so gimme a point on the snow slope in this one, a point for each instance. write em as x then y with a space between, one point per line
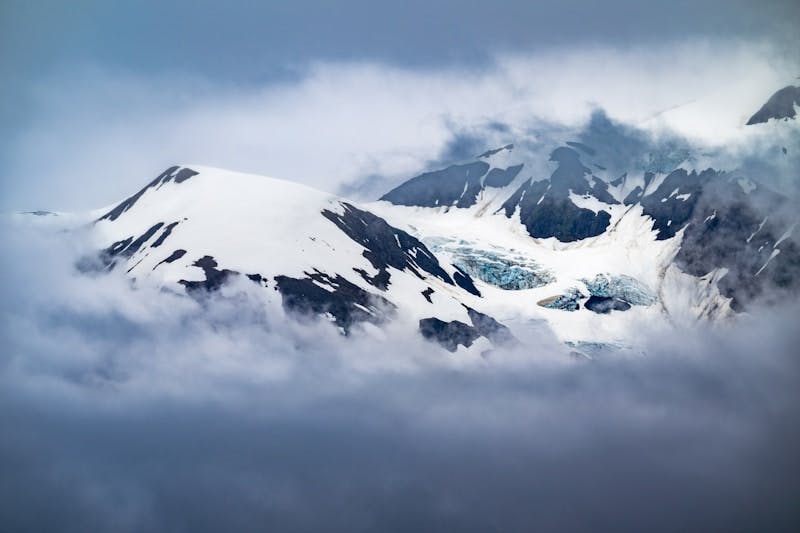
271 230
596 240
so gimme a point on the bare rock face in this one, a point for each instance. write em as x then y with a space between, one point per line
779 106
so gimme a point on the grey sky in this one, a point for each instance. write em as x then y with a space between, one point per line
143 411
62 64
248 40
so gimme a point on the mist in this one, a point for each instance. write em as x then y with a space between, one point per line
96 134
128 405
127 408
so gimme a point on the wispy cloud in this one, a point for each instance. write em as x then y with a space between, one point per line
100 134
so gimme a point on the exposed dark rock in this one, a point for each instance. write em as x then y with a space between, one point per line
604 304
258 279
174 256
779 106
648 178
490 328
347 303
379 280
457 185
143 238
427 294
489 153
182 175
215 278
171 174
740 232
465 282
619 181
570 175
562 219
385 246
633 196
669 206
600 191
448 334
546 209
117 247
121 249
529 188
498 177
454 333
164 235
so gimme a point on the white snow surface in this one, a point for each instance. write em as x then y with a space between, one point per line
259 225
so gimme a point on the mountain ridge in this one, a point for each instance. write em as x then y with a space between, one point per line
614 236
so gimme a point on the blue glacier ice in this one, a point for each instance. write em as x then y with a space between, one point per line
510 273
569 301
499 267
621 287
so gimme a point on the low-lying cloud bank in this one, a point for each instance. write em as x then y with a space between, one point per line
125 409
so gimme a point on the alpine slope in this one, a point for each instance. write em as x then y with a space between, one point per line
589 237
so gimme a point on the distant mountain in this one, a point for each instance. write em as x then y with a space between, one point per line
780 105
719 222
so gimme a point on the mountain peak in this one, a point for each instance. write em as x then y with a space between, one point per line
780 105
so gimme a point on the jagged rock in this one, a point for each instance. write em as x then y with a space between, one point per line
385 246
498 177
454 333
456 185
545 207
672 204
215 278
320 294
463 280
176 174
604 305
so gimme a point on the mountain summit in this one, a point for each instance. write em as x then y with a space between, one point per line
591 240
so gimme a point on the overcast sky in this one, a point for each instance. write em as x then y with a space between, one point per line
140 410
98 96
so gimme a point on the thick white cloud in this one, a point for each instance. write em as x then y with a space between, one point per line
132 410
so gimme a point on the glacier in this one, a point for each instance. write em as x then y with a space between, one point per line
621 287
502 268
569 301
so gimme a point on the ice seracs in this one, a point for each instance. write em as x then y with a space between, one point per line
593 236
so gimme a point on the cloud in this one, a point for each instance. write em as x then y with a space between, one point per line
99 134
124 409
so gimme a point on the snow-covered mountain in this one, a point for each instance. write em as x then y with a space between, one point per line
616 234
